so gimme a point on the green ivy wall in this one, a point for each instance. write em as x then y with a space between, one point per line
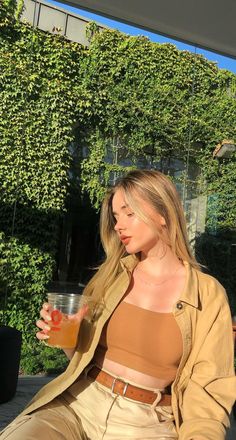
151 97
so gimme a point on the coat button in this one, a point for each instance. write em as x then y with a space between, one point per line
179 305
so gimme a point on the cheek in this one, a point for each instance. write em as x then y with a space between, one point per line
138 225
142 229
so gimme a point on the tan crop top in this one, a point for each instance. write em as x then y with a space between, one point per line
146 341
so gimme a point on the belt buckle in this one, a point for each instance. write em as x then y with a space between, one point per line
114 383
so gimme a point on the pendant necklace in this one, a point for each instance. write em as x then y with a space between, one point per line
148 283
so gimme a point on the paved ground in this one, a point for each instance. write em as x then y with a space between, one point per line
26 388
29 385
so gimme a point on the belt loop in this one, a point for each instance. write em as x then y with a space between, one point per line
113 384
125 388
87 369
157 399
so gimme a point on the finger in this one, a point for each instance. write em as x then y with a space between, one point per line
45 315
48 307
41 336
81 313
43 326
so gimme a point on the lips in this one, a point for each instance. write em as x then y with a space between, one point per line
125 239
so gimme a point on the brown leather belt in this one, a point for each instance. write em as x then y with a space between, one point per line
125 389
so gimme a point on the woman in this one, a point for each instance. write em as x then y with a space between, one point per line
154 358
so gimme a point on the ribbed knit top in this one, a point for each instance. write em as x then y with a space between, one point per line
146 341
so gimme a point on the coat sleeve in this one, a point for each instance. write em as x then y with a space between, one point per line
211 389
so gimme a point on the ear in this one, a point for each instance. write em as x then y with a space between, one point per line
162 220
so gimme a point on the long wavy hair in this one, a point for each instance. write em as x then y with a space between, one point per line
160 193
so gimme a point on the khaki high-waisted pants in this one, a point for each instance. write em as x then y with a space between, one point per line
90 411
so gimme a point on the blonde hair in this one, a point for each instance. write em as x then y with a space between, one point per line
160 193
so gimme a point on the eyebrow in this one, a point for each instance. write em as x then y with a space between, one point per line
122 207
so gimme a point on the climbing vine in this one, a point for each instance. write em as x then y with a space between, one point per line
40 83
158 102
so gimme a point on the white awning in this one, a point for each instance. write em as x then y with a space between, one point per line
210 24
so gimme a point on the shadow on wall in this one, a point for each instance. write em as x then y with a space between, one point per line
218 253
68 241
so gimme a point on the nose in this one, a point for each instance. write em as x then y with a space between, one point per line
119 226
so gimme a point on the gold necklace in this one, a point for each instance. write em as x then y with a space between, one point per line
148 283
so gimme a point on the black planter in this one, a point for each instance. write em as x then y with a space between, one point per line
10 349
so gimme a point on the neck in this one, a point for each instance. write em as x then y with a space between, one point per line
158 265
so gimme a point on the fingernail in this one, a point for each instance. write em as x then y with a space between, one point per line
49 318
46 327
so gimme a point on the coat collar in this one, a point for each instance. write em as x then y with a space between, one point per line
190 293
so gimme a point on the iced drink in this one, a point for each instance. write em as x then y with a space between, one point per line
64 326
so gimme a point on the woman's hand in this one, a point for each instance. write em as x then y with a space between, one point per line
44 324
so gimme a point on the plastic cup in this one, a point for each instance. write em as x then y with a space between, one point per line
64 326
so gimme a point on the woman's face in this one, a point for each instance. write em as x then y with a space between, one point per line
135 234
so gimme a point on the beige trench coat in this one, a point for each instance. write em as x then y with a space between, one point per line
205 388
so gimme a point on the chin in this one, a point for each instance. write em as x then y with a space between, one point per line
132 249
